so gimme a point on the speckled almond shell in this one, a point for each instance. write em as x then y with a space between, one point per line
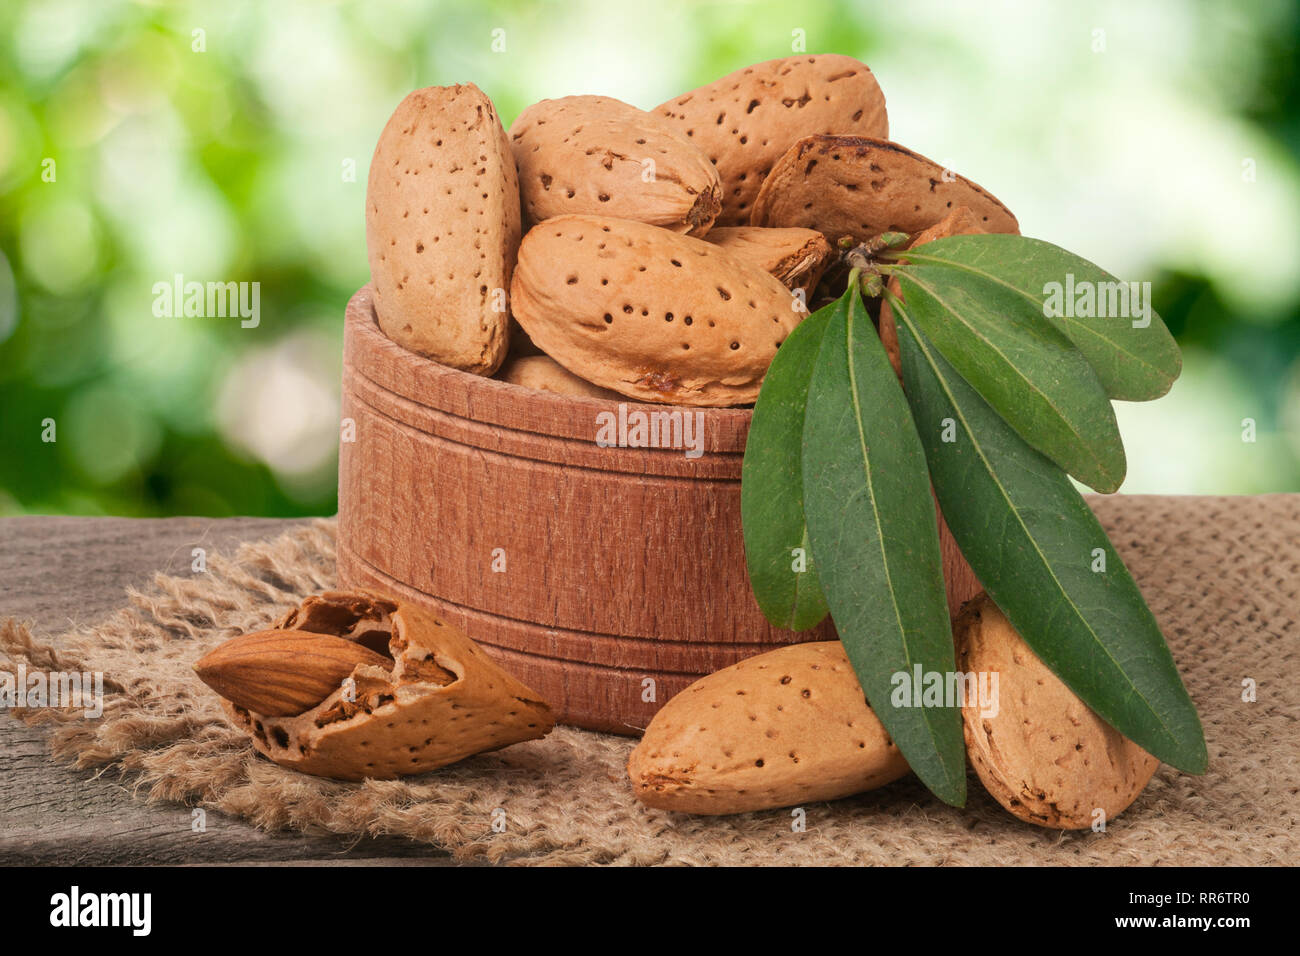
1045 756
787 727
442 227
860 187
797 257
960 222
443 700
598 156
745 121
648 313
543 373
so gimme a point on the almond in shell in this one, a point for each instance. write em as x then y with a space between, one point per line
648 313
1044 755
544 374
442 228
797 257
421 694
745 121
861 187
787 727
595 155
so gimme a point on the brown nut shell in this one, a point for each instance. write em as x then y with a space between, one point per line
797 257
598 156
860 187
544 374
1045 756
746 120
787 727
648 313
442 228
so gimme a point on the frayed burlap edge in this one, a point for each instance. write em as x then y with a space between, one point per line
565 800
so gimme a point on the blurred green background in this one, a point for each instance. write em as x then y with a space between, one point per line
229 141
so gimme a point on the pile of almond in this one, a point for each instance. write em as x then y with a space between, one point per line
353 685
603 251
792 726
662 256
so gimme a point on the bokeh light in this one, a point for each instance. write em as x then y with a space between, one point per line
229 142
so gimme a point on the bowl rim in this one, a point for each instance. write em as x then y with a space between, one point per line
430 384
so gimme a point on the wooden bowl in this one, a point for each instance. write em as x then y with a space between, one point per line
606 578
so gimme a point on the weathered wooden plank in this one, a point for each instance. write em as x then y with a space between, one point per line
55 571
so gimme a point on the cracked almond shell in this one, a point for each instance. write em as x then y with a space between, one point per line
860 187
442 227
436 698
1045 756
648 313
598 156
746 120
788 727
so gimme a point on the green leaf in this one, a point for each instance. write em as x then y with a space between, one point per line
1035 544
1134 363
872 524
771 486
1023 366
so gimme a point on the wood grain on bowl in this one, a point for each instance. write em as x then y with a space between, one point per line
586 571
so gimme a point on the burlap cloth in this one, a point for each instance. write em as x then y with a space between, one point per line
1220 573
